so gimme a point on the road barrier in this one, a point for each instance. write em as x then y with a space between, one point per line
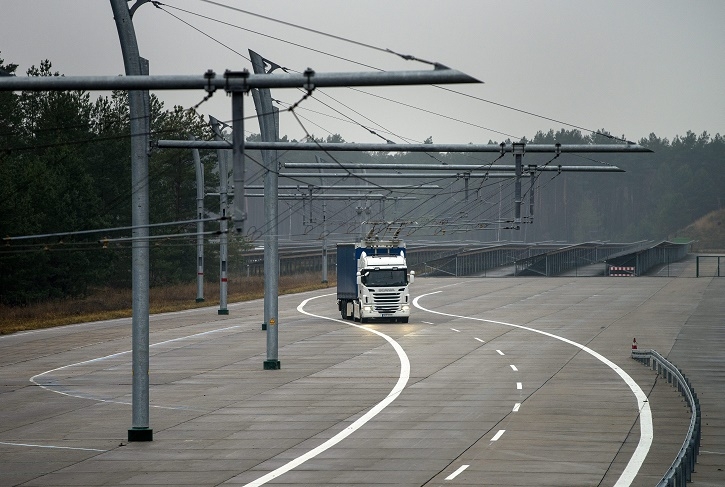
680 472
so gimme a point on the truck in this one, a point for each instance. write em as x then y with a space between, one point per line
373 280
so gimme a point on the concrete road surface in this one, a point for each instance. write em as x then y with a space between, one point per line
502 382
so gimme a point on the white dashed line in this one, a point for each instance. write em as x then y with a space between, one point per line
427 322
513 367
480 340
519 385
500 352
498 435
457 472
516 407
457 331
645 413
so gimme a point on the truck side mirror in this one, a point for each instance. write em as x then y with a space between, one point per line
358 278
412 277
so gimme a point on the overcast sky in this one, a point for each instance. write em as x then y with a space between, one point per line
630 67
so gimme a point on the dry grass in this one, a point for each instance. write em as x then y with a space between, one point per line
707 233
104 304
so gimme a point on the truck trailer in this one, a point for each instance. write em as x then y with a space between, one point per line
373 280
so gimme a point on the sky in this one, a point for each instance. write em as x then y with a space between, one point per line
629 67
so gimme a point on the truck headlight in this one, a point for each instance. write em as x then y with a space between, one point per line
406 307
368 309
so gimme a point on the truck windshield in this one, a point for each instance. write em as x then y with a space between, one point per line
385 277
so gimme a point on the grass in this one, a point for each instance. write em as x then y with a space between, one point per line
108 303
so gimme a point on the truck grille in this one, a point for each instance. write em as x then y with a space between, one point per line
387 302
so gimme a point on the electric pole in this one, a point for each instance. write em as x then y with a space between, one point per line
140 430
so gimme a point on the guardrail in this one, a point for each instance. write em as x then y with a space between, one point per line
680 472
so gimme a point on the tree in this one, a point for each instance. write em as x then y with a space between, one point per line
46 188
172 188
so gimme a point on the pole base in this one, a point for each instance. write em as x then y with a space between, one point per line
199 300
272 365
140 434
223 312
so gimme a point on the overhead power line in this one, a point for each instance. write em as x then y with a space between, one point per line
407 57
380 49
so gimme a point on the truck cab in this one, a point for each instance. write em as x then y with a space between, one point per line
381 281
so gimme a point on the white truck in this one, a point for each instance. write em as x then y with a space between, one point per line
373 280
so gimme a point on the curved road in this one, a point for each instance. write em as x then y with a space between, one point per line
523 381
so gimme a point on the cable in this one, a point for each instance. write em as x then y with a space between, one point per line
389 51
398 102
318 32
595 132
258 33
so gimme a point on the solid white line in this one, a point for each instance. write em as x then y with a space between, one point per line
374 411
500 352
49 446
457 331
98 359
498 435
480 340
646 431
519 385
457 472
516 407
513 367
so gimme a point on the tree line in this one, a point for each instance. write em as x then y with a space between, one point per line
65 169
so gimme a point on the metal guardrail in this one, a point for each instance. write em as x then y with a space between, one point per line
649 256
680 472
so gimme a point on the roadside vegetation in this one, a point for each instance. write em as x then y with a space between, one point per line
707 233
109 303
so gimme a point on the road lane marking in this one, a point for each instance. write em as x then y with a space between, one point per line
498 435
99 359
50 446
513 367
519 386
516 407
479 340
457 331
645 413
457 472
500 352
374 411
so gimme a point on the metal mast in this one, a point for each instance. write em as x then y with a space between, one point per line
140 430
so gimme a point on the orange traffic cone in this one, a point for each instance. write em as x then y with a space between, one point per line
634 344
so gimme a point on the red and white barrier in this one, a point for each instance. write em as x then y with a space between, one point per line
621 271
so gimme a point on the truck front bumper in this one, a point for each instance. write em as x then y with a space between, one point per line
369 311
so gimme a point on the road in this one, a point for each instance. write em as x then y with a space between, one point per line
510 381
